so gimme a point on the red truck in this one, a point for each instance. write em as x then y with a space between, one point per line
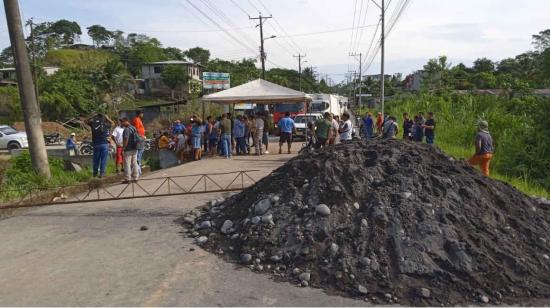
281 109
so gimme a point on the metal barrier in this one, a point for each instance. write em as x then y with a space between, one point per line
144 188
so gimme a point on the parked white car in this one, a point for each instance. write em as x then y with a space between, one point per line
301 120
11 139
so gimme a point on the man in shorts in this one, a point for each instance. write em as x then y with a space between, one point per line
286 128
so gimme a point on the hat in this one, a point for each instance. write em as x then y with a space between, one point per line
379 113
73 134
483 125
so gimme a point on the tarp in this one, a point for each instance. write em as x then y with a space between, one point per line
257 91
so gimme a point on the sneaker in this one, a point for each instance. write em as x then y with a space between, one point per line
280 151
126 182
266 152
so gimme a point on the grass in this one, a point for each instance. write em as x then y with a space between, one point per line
17 178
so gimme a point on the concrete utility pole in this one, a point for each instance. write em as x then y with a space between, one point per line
382 59
300 57
262 52
31 110
33 57
360 75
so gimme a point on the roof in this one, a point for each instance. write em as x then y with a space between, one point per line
169 62
258 91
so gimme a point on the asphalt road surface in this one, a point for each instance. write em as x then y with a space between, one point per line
94 254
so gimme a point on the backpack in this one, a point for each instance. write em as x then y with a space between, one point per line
99 127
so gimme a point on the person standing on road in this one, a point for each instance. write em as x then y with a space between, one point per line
137 123
407 127
379 122
100 125
334 128
429 128
286 128
239 130
268 127
225 131
484 148
196 138
323 131
130 141
346 128
390 128
258 133
117 137
368 123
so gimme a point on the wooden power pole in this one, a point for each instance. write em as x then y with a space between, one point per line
262 52
300 57
31 110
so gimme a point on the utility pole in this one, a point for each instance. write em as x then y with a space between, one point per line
300 57
262 52
382 59
360 75
31 110
33 57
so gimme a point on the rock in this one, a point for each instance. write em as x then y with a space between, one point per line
356 205
364 223
334 248
190 220
304 276
322 209
275 258
205 224
256 220
226 227
143 228
304 283
362 289
202 239
246 258
262 207
406 195
388 296
275 199
296 271
423 292
546 257
70 166
267 218
484 299
235 236
259 267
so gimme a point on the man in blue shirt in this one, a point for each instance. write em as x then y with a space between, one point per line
239 133
286 128
178 128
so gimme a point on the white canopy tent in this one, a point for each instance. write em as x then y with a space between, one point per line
257 91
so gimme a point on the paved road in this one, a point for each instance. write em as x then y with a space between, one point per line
93 254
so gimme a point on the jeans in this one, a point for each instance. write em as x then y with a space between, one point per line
241 145
370 132
139 156
100 157
226 145
430 139
258 140
131 167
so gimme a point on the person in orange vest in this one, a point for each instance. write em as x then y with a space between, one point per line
138 124
484 148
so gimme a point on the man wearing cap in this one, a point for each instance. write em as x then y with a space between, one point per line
484 148
70 145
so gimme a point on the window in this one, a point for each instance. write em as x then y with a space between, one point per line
157 69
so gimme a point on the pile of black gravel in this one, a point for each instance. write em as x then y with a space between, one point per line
388 222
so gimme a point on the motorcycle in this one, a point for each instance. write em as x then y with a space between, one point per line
86 148
54 138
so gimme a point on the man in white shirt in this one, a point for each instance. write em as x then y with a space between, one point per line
117 137
346 128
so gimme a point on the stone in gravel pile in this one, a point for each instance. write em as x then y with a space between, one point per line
389 222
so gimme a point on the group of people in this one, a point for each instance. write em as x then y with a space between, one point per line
224 135
128 137
416 129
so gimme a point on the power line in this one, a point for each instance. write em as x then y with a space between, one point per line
221 27
326 31
353 25
362 27
291 41
240 7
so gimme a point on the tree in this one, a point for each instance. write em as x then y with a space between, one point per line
113 82
174 76
100 35
69 31
198 55
174 53
6 57
484 65
542 40
142 52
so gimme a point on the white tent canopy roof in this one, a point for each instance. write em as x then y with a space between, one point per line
257 91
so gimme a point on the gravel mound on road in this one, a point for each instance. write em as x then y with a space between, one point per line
388 222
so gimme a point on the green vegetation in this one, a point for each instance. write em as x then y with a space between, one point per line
518 126
18 176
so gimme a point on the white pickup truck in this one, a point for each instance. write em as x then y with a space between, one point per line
11 139
301 120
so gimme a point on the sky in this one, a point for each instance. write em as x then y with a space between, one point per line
326 31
